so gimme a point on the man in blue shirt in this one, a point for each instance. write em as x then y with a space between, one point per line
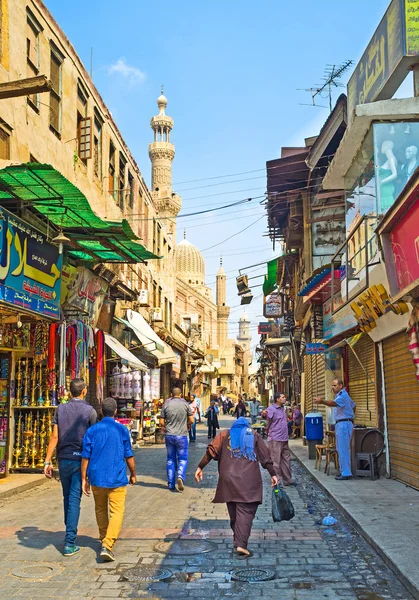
106 452
344 413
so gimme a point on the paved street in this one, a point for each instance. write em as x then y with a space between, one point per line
309 561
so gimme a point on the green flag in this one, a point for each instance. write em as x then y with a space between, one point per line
269 285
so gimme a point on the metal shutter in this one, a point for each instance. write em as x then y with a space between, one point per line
362 388
402 401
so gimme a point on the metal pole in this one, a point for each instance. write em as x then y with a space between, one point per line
383 392
415 70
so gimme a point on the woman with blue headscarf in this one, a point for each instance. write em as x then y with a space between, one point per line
239 451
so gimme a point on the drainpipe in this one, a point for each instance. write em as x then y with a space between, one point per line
383 395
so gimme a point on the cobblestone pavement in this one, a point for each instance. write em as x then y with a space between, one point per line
308 561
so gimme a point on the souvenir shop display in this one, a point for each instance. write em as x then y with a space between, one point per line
137 394
4 411
33 430
59 352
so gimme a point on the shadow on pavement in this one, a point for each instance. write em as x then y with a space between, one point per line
33 537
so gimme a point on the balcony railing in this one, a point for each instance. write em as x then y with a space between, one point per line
354 260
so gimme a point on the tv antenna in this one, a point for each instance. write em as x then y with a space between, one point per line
331 79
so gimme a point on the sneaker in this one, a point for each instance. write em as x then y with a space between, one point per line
179 486
107 555
70 550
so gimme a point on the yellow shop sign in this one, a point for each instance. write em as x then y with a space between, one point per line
373 304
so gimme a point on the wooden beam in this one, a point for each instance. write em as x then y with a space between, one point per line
25 87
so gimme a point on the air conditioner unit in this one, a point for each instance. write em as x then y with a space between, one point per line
157 314
143 298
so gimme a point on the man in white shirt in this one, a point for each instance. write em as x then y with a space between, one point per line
195 404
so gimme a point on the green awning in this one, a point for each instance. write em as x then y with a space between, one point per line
66 207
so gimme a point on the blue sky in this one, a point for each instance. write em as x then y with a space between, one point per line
231 72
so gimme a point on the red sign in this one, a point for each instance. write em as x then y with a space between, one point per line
405 247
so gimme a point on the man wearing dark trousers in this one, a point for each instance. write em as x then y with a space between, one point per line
70 423
212 419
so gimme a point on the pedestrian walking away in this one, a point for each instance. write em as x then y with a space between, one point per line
240 410
254 409
196 411
344 413
212 419
106 453
238 451
176 418
70 423
277 429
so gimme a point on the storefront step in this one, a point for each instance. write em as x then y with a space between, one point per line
19 482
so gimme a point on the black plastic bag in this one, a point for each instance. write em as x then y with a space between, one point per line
282 508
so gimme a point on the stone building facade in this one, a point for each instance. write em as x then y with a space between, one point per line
71 129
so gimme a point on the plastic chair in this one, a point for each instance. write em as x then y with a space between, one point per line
366 463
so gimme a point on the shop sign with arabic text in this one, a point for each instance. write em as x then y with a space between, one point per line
380 70
30 267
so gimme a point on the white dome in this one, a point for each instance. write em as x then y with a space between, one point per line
190 265
162 101
244 318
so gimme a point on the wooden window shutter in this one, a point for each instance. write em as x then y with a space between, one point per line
4 145
85 138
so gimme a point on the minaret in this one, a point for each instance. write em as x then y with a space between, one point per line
162 153
223 311
244 338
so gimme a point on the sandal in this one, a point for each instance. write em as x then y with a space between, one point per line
242 556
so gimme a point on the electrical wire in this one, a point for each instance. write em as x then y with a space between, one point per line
188 226
298 162
234 234
200 187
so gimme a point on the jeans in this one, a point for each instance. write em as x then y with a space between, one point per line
109 509
70 477
253 418
177 458
192 432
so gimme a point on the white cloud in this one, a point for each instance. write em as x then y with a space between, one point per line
131 74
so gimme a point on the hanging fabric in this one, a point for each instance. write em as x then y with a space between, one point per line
100 364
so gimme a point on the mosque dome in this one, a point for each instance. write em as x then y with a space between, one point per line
190 265
244 318
162 101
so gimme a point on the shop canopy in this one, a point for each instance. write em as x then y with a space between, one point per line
124 353
63 205
149 338
318 288
277 341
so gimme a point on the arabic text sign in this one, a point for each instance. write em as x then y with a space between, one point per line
316 348
412 27
30 267
392 40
